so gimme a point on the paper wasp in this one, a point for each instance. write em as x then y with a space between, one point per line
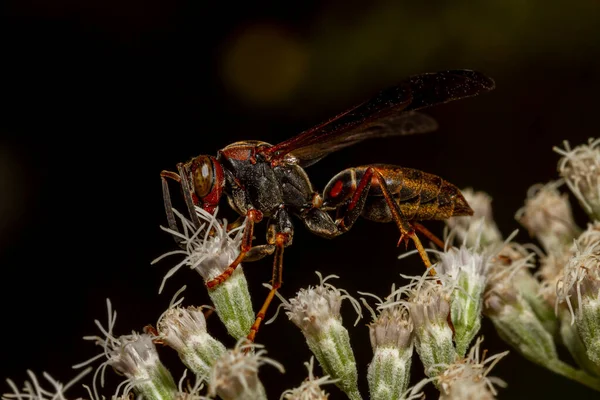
262 180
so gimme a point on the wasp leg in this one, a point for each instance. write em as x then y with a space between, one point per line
279 235
235 224
281 240
187 196
258 252
438 242
319 222
407 230
252 216
168 205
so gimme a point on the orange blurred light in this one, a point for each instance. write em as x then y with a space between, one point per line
264 64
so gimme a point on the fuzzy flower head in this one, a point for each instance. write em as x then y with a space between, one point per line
235 374
480 228
314 309
391 334
465 261
551 272
392 325
310 389
33 390
468 378
590 237
179 327
547 216
428 302
580 167
209 249
133 356
465 272
505 268
580 281
188 391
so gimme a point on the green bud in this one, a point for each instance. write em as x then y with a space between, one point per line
316 311
184 329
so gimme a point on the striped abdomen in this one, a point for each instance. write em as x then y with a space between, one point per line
421 196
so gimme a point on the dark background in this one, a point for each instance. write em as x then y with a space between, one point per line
99 96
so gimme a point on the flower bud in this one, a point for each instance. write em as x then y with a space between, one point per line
234 376
579 287
547 216
392 341
210 249
465 272
135 357
33 390
514 318
580 168
316 311
468 378
478 230
184 329
310 389
429 306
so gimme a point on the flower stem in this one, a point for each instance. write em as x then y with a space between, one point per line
577 375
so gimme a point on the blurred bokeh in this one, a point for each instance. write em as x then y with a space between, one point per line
99 96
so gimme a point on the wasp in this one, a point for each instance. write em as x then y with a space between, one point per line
261 180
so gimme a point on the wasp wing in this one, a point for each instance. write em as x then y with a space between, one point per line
389 113
404 123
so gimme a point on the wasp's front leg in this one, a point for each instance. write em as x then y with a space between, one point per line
252 216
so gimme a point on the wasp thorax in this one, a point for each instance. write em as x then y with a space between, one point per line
203 175
340 188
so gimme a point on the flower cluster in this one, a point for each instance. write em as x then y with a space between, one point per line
438 315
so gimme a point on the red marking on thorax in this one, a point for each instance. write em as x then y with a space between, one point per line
241 153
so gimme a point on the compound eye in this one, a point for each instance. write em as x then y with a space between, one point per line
203 175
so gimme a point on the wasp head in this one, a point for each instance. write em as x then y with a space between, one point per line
207 180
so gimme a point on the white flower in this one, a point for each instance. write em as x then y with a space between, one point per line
580 167
134 356
235 374
428 303
465 271
315 308
480 228
209 249
316 311
468 378
310 389
189 391
33 390
580 281
547 216
184 329
392 341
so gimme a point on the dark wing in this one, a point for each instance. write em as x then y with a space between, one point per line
389 113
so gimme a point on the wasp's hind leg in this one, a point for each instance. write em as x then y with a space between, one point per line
320 223
407 229
436 240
